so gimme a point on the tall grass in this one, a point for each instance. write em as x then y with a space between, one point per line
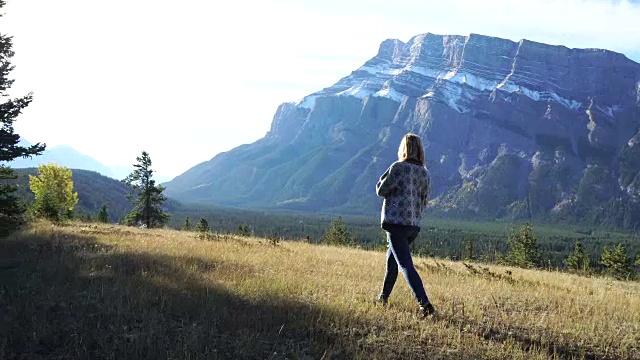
110 292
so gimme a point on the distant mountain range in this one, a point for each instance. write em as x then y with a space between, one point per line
511 130
73 159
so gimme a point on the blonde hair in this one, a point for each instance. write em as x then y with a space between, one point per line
411 149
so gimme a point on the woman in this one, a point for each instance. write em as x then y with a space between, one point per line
405 189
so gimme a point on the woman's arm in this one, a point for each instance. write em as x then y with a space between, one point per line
386 184
426 189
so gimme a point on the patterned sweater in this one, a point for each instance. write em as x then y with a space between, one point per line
405 188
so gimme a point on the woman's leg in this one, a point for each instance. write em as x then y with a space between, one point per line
399 240
390 276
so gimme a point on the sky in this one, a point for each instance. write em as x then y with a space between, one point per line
186 80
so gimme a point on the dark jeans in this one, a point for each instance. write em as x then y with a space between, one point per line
399 238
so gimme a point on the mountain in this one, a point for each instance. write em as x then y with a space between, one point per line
73 159
121 172
65 156
94 190
511 129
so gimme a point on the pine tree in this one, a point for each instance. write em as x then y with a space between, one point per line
578 260
103 215
243 230
337 234
616 261
468 247
148 196
203 229
202 226
187 224
523 248
11 209
53 190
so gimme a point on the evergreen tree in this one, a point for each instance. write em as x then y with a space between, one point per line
11 209
187 224
148 196
203 229
523 248
103 215
578 260
468 247
53 190
243 230
202 226
337 234
616 261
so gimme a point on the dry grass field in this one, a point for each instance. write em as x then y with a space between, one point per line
111 292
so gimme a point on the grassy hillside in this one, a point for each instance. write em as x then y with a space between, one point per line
93 291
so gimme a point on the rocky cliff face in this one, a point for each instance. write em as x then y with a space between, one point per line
518 129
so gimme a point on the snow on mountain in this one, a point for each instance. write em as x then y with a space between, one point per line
399 67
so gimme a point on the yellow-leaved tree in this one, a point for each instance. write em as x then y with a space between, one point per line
53 189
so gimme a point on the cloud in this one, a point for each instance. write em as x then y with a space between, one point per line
575 23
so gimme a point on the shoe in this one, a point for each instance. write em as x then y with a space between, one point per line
381 301
426 310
